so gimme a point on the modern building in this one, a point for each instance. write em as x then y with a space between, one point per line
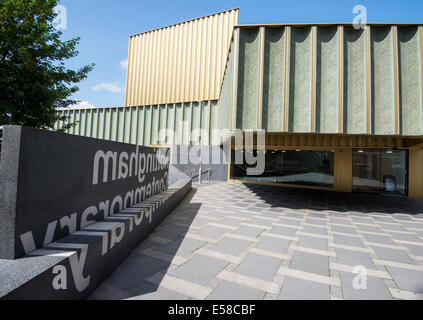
342 107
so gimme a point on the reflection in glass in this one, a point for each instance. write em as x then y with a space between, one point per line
380 171
313 168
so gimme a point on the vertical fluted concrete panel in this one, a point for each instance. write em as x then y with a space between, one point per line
248 79
127 125
154 124
186 124
178 123
170 123
162 124
195 123
204 124
327 79
273 80
300 80
354 81
383 96
147 125
141 116
225 101
214 114
411 112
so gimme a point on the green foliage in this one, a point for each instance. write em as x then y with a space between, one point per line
33 78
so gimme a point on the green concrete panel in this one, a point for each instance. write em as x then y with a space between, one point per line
186 124
147 125
383 85
248 79
141 122
214 125
100 124
410 81
195 123
133 132
127 125
354 81
121 124
205 123
162 124
178 123
274 80
155 125
300 80
170 123
327 80
108 124
76 128
225 101
88 124
94 123
82 125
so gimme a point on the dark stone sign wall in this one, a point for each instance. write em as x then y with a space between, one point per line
53 184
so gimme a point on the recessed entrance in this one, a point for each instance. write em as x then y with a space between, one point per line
380 171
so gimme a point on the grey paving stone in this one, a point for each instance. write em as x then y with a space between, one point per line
231 291
313 243
259 266
406 237
409 280
181 246
108 292
374 228
211 231
355 258
248 231
230 246
230 222
415 250
310 262
213 213
272 244
349 241
290 222
393 227
200 269
375 288
343 229
316 221
261 222
283 231
315 230
378 239
392 255
340 221
298 289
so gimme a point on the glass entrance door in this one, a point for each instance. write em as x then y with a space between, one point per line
380 171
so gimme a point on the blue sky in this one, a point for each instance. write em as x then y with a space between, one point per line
105 26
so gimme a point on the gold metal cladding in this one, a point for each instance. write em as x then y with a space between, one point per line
184 62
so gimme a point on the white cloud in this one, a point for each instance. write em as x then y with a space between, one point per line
80 105
108 87
124 64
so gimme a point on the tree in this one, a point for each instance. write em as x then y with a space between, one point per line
34 81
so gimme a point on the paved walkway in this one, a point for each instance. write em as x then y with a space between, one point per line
234 241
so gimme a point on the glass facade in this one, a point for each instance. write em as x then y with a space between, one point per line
380 171
310 168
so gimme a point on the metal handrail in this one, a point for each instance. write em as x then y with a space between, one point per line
208 171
